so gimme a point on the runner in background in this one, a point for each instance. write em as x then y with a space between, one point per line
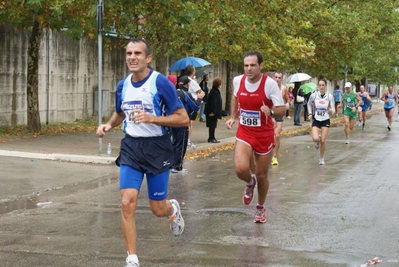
390 99
278 77
350 101
362 110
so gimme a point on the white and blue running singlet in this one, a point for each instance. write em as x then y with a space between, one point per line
365 101
390 104
154 94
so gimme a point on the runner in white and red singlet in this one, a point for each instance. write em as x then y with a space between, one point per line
256 100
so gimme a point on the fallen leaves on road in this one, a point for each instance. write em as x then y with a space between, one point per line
294 131
206 152
79 126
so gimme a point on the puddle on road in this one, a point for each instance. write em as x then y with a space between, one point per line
226 212
18 204
34 201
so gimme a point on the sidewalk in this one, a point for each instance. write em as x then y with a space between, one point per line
84 147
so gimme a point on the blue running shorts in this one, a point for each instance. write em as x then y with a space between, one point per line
157 183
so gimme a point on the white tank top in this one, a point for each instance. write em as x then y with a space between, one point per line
321 107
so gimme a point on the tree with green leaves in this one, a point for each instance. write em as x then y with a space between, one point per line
36 15
320 37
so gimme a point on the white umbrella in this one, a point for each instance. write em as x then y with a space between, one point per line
298 77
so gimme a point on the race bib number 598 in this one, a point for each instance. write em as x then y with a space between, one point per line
250 118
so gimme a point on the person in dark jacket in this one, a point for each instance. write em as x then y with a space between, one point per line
306 112
213 109
297 105
180 134
204 86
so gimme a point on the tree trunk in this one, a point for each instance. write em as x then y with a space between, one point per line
160 58
32 90
229 85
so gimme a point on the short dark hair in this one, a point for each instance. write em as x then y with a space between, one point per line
254 53
189 70
141 40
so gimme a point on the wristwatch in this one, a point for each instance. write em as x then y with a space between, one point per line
271 112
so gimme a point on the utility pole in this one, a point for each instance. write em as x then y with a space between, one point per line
100 68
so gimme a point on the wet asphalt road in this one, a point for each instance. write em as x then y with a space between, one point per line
340 214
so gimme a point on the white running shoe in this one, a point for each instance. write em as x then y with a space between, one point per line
130 262
321 161
359 123
176 222
347 141
190 144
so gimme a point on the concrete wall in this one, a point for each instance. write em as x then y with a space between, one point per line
68 77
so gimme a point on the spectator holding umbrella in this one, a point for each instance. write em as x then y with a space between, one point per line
298 102
298 93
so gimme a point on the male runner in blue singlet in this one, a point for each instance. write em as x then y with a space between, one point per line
146 103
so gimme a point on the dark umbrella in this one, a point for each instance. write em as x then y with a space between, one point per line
202 71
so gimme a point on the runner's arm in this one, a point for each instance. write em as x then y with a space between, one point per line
178 118
279 111
332 106
383 97
286 98
234 108
310 103
359 100
233 112
115 120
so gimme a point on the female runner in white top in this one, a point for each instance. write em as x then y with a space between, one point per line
321 104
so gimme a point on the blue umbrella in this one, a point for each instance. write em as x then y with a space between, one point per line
181 64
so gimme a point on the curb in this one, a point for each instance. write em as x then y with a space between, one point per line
201 150
59 157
